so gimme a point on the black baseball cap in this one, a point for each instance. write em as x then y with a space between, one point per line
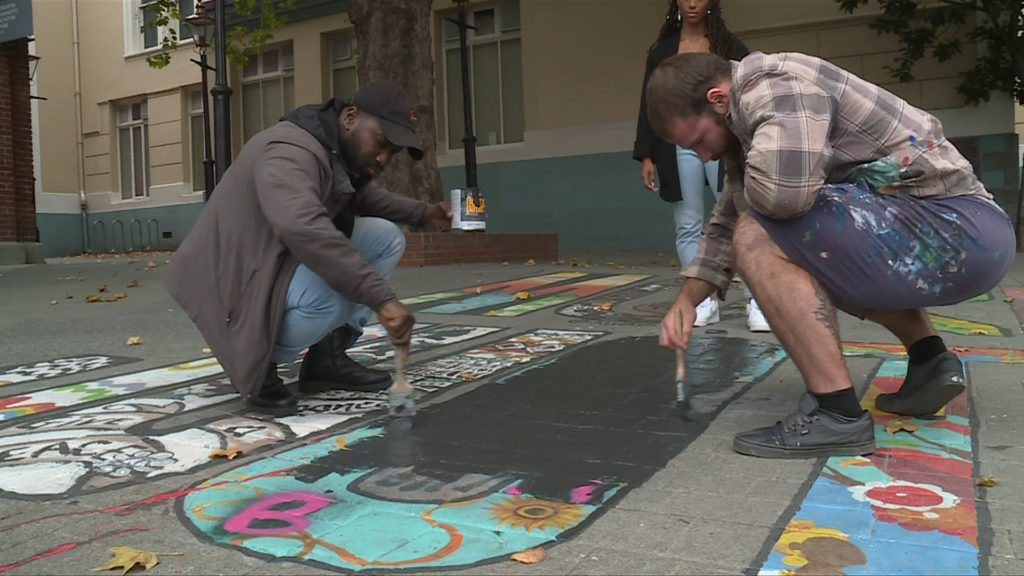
387 101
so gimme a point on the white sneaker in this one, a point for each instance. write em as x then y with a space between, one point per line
755 319
707 312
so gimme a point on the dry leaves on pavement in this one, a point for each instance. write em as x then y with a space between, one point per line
987 481
230 453
102 288
134 284
522 295
127 558
134 340
530 262
895 425
531 556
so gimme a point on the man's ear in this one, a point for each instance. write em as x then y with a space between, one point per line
718 98
349 118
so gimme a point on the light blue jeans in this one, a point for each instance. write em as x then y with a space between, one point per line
313 309
689 212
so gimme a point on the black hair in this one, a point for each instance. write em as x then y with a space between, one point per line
722 42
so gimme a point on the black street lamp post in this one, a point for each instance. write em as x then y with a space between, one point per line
221 96
200 24
469 139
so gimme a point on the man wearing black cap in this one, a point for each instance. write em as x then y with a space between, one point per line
296 245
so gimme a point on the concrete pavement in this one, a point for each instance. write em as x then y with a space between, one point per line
542 422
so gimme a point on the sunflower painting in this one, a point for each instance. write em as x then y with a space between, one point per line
530 513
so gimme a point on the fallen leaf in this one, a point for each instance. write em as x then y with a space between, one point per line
960 349
152 264
895 425
521 295
978 332
987 481
1008 300
606 306
530 262
92 298
134 340
574 265
478 290
120 295
673 263
53 302
230 453
206 350
127 558
102 288
133 284
531 556
505 263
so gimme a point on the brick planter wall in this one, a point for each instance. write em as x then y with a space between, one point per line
455 247
17 185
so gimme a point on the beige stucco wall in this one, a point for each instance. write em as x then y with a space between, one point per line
55 80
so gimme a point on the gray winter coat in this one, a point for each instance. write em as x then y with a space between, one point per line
287 199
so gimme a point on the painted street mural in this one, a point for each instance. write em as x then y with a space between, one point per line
607 308
521 296
906 509
966 327
58 367
132 440
519 463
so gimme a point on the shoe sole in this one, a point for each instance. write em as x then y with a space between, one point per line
858 449
759 328
316 386
281 411
713 320
923 403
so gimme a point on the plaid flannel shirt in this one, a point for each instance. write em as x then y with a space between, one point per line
803 123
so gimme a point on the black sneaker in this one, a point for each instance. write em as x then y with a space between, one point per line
809 433
927 387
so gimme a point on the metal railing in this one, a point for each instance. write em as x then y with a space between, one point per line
135 236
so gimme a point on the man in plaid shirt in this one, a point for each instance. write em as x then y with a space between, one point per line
838 194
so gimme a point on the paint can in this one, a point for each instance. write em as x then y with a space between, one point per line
468 211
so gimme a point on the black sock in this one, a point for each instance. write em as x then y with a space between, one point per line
925 349
843 402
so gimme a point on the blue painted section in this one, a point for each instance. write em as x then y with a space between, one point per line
594 202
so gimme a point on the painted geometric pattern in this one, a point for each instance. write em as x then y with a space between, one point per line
57 367
504 298
908 506
338 517
115 443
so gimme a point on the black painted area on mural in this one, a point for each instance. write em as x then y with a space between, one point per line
605 412
57 367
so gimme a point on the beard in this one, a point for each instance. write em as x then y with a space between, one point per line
354 162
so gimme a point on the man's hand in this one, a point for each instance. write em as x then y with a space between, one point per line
398 321
678 324
439 215
647 173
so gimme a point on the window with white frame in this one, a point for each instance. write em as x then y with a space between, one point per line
197 142
268 89
341 58
495 75
141 35
133 150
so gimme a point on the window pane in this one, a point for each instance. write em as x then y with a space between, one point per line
483 20
289 98
149 37
512 90
287 59
252 66
138 167
195 101
509 16
453 92
186 8
250 110
270 61
272 102
343 83
145 160
486 101
341 48
124 161
198 152
451 30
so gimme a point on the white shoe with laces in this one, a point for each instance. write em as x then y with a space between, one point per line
755 319
707 312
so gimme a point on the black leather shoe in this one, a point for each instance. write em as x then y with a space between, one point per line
327 367
273 397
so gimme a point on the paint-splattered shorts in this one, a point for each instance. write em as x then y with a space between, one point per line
895 251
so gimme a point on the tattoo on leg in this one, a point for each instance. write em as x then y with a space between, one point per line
826 313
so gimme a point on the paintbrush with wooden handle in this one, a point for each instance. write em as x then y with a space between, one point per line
401 394
682 392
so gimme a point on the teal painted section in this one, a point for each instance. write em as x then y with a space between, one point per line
593 202
141 229
60 234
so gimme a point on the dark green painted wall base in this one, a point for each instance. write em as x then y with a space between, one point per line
160 228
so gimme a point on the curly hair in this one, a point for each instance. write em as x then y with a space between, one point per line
721 40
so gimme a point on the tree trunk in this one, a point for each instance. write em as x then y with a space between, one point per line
394 44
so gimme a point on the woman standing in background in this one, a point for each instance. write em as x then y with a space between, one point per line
690 26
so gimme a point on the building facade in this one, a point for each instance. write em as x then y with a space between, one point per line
555 85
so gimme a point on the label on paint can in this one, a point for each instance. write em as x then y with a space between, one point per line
468 210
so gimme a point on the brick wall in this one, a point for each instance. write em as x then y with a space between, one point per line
17 182
436 248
